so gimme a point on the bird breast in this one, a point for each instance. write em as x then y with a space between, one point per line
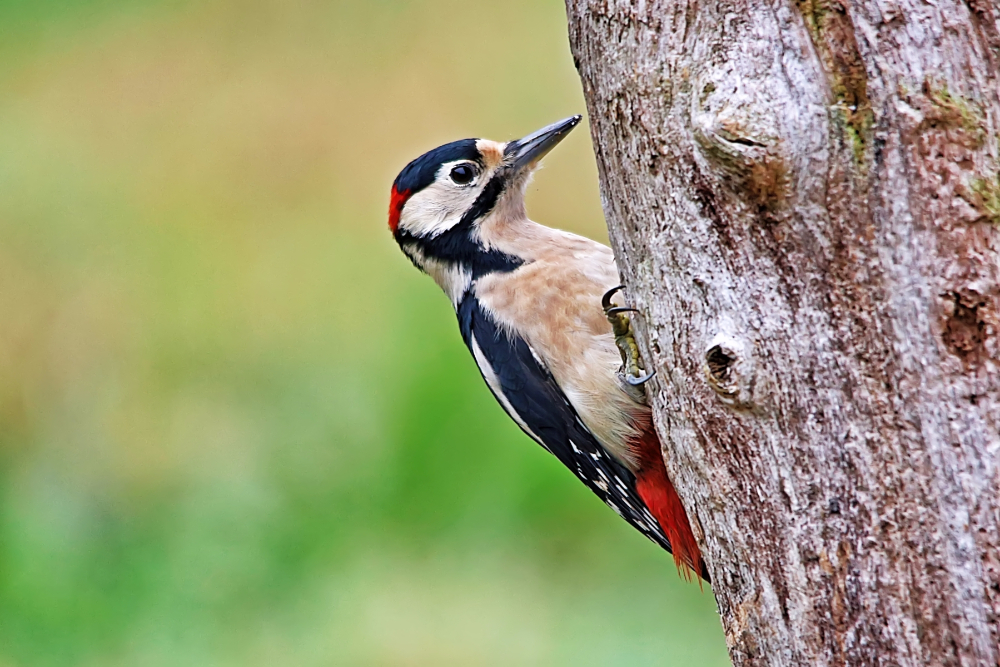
554 303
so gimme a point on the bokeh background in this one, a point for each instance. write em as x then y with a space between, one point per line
236 426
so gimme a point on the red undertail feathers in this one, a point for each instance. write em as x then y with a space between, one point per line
656 490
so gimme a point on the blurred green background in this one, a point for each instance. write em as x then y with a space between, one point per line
236 426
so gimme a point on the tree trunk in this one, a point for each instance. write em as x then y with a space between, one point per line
804 200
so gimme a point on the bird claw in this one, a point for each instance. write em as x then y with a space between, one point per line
632 371
639 381
606 299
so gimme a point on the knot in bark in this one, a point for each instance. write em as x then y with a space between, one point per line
729 370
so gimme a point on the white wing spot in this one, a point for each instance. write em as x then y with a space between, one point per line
602 485
575 448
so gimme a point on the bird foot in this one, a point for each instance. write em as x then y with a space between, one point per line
632 370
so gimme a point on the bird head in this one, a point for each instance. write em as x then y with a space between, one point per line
440 200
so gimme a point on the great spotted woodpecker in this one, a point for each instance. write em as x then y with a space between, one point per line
529 304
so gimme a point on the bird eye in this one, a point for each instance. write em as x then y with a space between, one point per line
463 174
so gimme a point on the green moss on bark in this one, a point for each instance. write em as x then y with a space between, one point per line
832 32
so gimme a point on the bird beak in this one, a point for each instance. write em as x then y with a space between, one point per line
526 152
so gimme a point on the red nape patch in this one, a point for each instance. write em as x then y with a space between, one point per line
396 202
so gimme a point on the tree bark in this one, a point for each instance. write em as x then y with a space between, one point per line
803 196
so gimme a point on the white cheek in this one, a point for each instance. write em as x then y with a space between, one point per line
436 209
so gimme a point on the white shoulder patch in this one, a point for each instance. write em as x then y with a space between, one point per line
494 383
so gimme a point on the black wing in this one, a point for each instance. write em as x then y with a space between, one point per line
540 405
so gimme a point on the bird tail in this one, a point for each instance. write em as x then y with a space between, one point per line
656 490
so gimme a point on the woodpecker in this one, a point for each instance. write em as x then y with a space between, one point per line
534 307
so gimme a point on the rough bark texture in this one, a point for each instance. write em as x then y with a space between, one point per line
804 199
